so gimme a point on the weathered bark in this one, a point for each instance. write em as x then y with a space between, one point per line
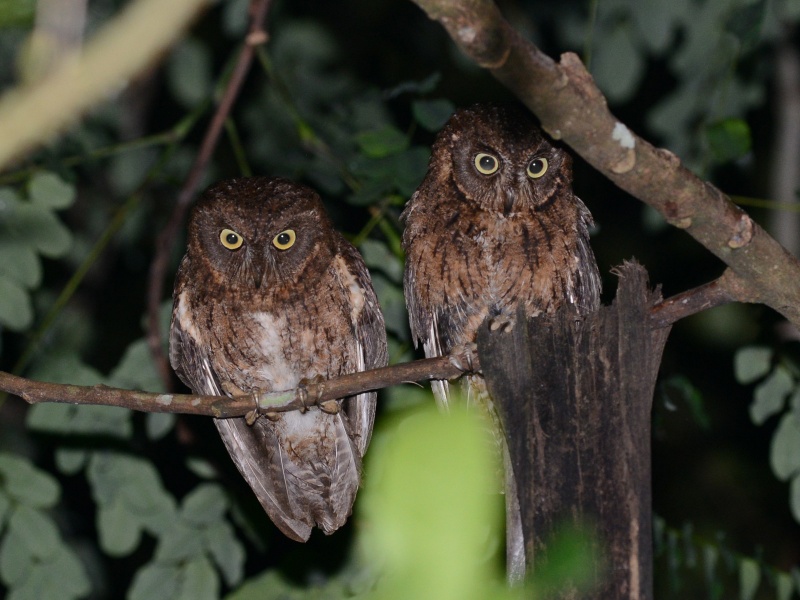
575 399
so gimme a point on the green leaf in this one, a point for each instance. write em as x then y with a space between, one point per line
749 578
16 13
119 530
5 507
16 311
746 23
157 425
226 550
393 305
16 562
382 142
202 468
729 139
136 370
429 506
70 461
39 228
422 87
794 497
49 191
432 114
20 263
69 419
785 450
691 396
179 542
199 581
35 530
751 363
205 504
378 256
784 586
155 581
26 484
770 396
617 64
189 72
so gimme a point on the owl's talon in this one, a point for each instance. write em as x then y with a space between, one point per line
463 359
251 417
331 407
502 323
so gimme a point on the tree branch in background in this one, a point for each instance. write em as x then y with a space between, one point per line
31 114
256 36
571 107
315 393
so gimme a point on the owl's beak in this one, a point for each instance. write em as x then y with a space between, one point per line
508 202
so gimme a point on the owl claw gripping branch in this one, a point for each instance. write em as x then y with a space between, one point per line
267 296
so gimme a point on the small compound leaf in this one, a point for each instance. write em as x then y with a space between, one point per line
155 581
16 561
199 581
20 263
378 256
729 139
26 484
784 586
179 542
751 363
70 461
432 114
794 497
749 578
48 190
769 397
136 370
189 72
382 142
16 311
785 450
39 228
119 530
617 64
35 530
5 507
204 505
226 550
157 425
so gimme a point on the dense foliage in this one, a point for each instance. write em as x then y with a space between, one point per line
106 503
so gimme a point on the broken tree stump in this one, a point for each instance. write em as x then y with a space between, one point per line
575 396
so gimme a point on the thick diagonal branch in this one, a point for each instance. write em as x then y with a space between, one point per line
571 107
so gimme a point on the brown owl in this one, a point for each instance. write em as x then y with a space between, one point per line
494 226
267 296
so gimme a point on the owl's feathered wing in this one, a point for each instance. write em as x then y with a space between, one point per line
303 468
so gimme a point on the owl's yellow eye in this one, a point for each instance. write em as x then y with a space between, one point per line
230 239
486 163
284 240
537 168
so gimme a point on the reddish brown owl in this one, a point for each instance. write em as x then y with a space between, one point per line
269 295
494 226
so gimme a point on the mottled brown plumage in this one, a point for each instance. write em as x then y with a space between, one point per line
494 227
269 295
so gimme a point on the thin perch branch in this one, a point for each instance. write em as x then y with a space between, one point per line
571 107
315 393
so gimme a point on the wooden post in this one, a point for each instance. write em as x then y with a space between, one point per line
575 396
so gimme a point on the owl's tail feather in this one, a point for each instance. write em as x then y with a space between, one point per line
303 468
